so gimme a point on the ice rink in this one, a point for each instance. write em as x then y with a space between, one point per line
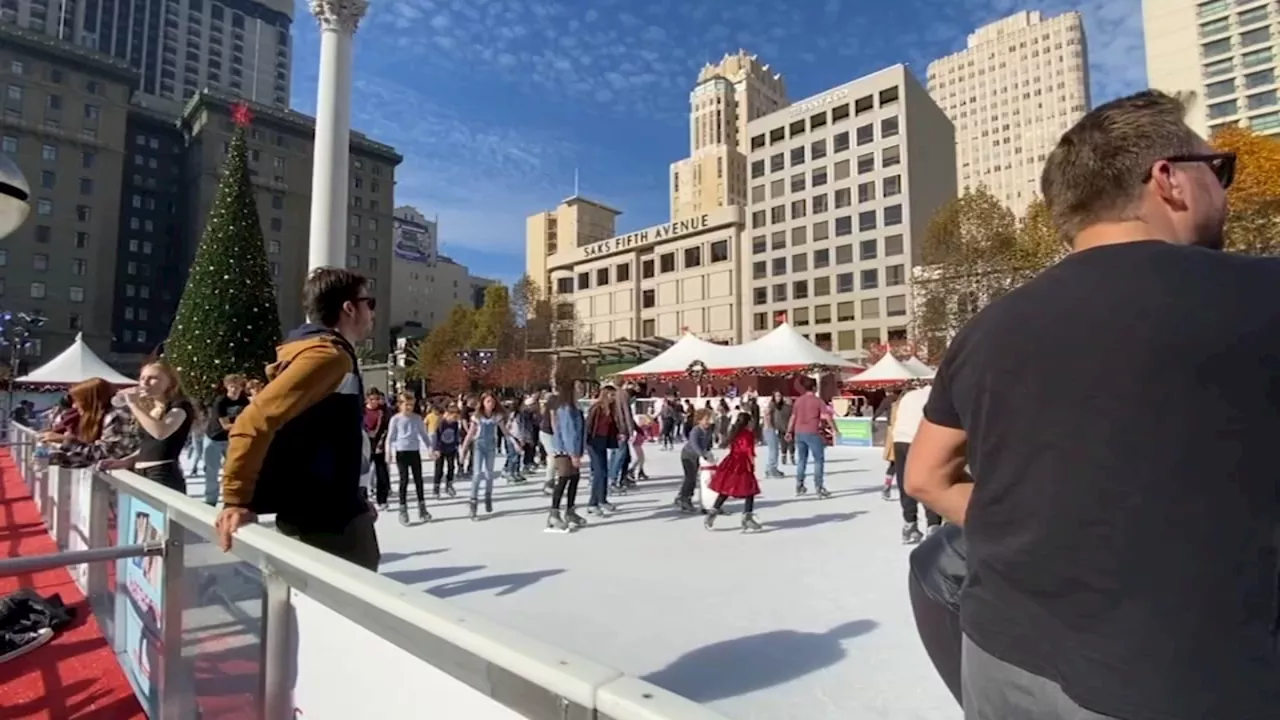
807 619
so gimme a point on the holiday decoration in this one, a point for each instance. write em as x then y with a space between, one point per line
241 115
697 369
227 319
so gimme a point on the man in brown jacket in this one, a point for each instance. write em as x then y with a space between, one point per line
299 450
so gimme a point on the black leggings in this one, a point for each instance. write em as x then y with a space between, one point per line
446 462
690 484
566 485
382 478
409 461
750 503
910 506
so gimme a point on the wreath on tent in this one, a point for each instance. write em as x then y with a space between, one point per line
696 370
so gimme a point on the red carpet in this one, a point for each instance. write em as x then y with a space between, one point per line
76 675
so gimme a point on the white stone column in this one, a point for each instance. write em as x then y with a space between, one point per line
331 157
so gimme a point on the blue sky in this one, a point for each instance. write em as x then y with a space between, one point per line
494 103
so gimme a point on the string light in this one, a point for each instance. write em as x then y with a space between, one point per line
227 320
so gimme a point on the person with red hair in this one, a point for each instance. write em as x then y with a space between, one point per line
103 431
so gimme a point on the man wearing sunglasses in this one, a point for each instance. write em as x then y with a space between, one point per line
300 449
1120 416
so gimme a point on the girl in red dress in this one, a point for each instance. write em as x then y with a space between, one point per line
735 475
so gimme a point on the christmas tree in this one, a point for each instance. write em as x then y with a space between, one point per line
227 319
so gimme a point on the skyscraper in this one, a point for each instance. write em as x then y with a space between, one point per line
727 96
1019 84
1219 56
177 46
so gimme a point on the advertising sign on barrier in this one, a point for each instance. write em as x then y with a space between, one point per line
406 686
139 593
854 431
78 538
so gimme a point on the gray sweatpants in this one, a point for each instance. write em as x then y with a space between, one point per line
995 690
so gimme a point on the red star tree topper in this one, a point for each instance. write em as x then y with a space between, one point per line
241 115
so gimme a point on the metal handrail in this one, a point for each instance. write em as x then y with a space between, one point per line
67 558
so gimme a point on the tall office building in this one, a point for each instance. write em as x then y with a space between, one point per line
178 47
64 120
728 95
1012 92
1219 56
426 285
576 222
843 185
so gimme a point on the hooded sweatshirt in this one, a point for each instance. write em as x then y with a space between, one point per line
300 449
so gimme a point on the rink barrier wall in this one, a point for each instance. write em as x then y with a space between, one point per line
470 666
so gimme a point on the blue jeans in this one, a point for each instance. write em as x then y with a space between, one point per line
619 458
810 443
214 453
771 442
513 459
484 457
598 453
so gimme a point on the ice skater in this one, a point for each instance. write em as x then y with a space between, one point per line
483 439
406 436
445 441
735 475
697 449
568 445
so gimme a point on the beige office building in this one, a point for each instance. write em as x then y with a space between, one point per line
1012 92
1220 55
556 234
426 285
728 95
662 281
843 185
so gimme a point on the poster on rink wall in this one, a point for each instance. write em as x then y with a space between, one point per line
854 431
138 587
326 642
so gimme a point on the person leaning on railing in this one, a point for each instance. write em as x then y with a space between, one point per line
103 431
164 419
299 449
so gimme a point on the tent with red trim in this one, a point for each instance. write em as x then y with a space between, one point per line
887 371
74 365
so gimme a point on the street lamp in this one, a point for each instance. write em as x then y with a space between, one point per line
15 197
17 333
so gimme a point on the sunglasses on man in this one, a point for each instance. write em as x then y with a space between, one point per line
1223 165
372 303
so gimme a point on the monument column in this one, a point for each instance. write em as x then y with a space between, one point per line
331 157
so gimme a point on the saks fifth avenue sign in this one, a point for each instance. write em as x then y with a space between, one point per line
649 235
820 103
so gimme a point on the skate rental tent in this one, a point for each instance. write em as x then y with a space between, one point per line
677 360
887 372
74 365
917 366
784 350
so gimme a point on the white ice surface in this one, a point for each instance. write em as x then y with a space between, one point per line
809 619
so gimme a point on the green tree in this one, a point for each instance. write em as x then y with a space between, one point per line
494 322
1039 244
1253 202
227 319
442 344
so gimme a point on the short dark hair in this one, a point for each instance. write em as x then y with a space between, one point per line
326 290
1097 171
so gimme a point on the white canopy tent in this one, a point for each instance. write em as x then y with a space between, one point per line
677 358
74 365
888 370
785 348
917 366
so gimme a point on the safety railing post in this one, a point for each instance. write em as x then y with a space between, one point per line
99 536
277 642
59 517
177 697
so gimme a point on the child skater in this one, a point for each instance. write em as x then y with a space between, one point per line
637 446
735 475
483 439
406 436
697 448
445 441
568 445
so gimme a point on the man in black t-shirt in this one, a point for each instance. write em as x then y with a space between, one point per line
222 415
1120 414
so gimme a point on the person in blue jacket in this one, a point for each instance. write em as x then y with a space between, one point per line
568 444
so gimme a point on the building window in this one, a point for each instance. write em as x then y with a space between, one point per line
667 262
37 290
797 182
866 163
843 198
889 127
48 153
648 298
800 289
760 321
895 305
84 214
840 142
895 275
797 156
779 266
780 292
870 308
759 270
44 207
844 312
821 286
273 247
622 273
760 296
648 328
844 225
800 262
867 220
865 135
646 268
602 277
892 215
867 250
821 258
584 281
870 280
778 240
892 186
819 177
892 245
844 282
40 261
9 144
891 156
86 186
44 234
564 285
